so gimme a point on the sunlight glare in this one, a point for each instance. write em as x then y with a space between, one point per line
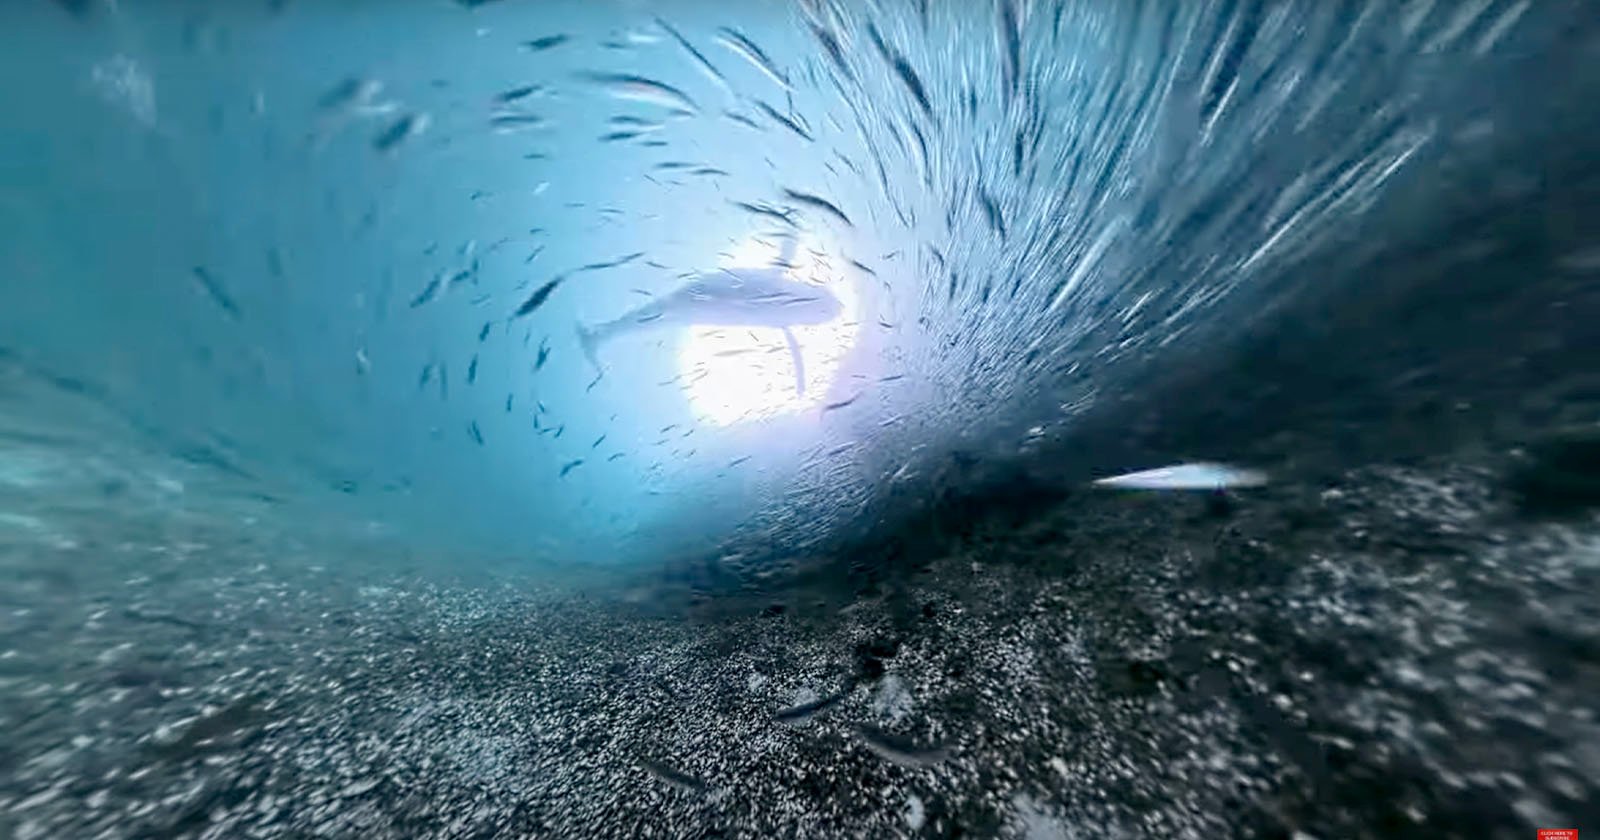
738 374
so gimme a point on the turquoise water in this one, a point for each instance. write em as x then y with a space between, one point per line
1087 203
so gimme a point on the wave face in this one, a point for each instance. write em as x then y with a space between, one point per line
350 282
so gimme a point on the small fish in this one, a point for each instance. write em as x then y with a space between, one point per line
862 267
544 354
902 68
899 750
636 122
475 433
429 292
507 122
739 460
597 441
559 429
992 211
783 120
548 42
834 50
676 778
747 49
427 374
484 332
508 403
641 89
742 120
616 263
819 203
766 211
1197 476
615 457
401 130
1011 44
538 297
517 94
215 291
702 63
832 406
806 711
570 466
472 370
616 136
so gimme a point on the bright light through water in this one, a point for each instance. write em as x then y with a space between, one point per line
746 373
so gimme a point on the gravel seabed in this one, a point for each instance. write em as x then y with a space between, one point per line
1394 653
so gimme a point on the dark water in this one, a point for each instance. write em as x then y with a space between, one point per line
315 521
